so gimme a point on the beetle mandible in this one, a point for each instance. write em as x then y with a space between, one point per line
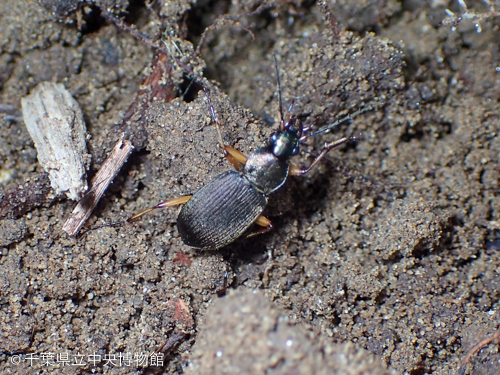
225 208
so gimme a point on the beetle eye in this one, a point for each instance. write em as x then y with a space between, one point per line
274 137
295 151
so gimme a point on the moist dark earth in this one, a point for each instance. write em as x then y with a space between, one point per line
383 260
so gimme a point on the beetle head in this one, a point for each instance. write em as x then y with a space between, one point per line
285 143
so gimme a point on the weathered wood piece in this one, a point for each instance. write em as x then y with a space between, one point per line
55 122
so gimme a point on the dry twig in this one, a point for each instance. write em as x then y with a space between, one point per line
98 186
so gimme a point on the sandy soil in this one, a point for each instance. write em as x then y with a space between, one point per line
383 260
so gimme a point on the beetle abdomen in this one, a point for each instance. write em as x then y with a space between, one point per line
220 212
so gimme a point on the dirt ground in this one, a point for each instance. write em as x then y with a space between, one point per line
383 260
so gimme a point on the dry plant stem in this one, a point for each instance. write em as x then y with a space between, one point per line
220 22
329 17
98 186
165 349
453 19
135 33
168 345
476 348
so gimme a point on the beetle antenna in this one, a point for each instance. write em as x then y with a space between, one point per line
282 124
214 117
347 118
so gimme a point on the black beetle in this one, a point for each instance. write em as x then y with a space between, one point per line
224 209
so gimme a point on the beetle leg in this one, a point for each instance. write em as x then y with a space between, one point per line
167 203
236 158
263 222
297 171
